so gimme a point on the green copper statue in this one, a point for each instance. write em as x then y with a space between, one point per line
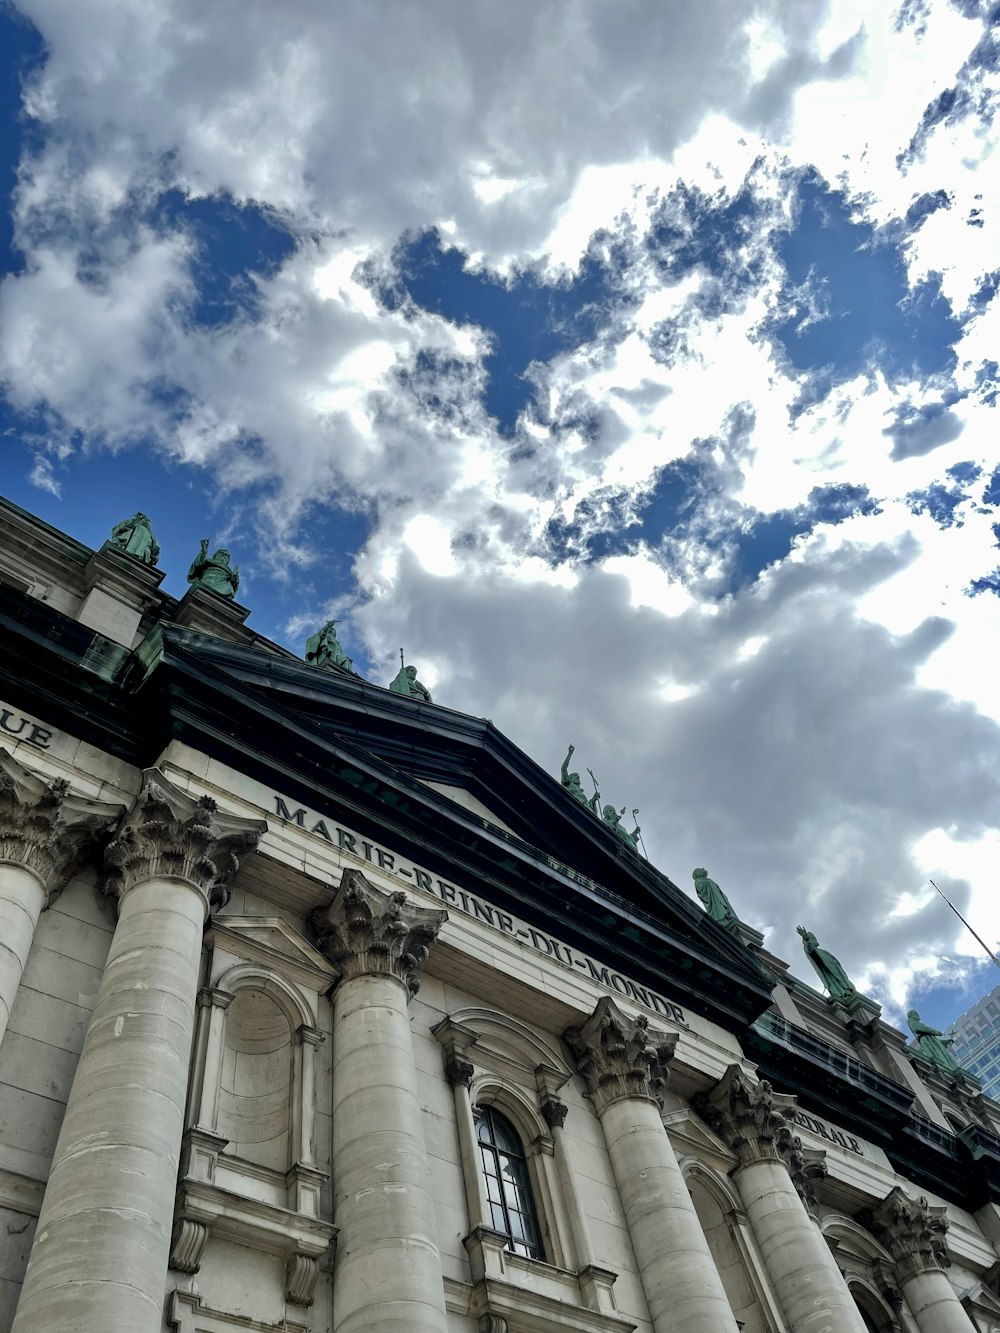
613 819
933 1045
135 537
571 781
323 648
828 968
717 905
214 571
406 683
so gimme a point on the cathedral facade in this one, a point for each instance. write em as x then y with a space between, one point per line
325 1009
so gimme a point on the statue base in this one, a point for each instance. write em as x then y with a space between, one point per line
210 613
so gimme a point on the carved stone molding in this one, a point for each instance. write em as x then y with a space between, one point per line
618 1056
749 1117
187 1244
493 1323
170 834
913 1232
367 931
301 1272
806 1166
45 828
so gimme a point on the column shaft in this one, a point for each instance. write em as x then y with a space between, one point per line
472 1170
934 1303
388 1264
100 1254
809 1285
682 1284
583 1255
21 901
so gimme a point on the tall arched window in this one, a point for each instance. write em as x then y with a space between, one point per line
507 1188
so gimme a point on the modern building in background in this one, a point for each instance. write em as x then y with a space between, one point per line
977 1041
325 1009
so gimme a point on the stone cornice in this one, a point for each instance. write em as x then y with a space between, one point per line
750 1118
618 1056
367 931
46 828
913 1232
169 834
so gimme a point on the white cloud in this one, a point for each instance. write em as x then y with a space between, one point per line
803 737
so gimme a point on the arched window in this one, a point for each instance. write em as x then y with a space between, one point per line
507 1188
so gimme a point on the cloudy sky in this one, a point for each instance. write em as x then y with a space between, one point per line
631 363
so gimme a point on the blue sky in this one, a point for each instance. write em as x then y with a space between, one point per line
638 378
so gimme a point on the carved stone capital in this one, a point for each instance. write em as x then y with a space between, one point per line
301 1272
45 828
367 931
618 1056
749 1117
456 1041
913 1232
172 835
493 1323
806 1166
554 1112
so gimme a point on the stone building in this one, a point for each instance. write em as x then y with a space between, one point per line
325 1008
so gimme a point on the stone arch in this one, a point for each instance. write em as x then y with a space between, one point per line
731 1242
508 1046
284 994
868 1270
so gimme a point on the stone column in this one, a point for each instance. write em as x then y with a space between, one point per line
753 1121
914 1234
624 1075
100 1254
45 834
457 1041
388 1273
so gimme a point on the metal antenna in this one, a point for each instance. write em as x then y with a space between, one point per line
989 952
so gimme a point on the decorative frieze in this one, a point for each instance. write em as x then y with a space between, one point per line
749 1117
369 932
913 1232
44 827
619 1057
171 835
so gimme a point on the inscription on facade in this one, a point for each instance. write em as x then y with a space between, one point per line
827 1132
23 729
472 905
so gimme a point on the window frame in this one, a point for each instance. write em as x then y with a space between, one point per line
519 1180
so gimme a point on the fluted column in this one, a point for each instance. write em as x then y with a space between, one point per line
914 1234
45 832
388 1274
99 1260
624 1075
753 1121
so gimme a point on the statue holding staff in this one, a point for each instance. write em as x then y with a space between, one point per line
214 571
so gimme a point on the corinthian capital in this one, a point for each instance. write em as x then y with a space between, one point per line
618 1056
168 834
46 828
913 1232
367 931
806 1166
749 1117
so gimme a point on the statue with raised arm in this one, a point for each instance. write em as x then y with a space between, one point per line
933 1045
406 683
214 571
828 968
717 905
571 781
135 537
323 648
613 819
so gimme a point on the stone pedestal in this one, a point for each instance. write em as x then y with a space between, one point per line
914 1234
45 832
388 1273
103 1239
753 1121
624 1073
120 590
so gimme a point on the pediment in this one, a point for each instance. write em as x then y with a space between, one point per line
468 801
691 1137
272 941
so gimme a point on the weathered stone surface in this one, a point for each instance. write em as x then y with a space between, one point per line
618 1057
749 1117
